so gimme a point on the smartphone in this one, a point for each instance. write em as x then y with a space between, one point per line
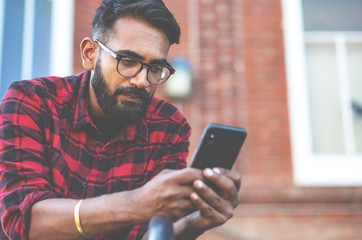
219 146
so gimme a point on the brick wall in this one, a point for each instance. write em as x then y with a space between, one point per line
237 55
83 17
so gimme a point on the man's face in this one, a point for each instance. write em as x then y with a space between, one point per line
125 100
123 113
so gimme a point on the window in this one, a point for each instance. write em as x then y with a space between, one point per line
323 47
35 39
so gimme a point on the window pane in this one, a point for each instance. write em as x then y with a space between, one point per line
332 15
41 59
324 98
12 48
355 72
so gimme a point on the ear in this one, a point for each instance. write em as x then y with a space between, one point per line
88 53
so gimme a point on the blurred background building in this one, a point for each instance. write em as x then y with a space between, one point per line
289 71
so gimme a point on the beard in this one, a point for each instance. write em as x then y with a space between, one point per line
119 114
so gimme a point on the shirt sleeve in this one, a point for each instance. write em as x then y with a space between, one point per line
24 171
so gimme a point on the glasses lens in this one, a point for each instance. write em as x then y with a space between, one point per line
128 66
158 74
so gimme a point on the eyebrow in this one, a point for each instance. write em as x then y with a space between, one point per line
131 53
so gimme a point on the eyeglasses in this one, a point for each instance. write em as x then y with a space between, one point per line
128 66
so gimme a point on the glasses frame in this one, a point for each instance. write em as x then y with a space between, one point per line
143 64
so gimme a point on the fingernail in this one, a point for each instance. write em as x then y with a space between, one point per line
199 184
217 170
209 172
194 196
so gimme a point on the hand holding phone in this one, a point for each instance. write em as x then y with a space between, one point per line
219 146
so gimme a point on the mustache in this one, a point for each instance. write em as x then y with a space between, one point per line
132 91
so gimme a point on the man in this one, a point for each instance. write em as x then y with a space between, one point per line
102 137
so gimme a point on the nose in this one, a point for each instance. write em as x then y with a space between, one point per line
140 80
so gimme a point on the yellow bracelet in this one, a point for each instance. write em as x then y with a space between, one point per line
77 219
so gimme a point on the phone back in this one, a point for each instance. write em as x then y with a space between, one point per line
219 146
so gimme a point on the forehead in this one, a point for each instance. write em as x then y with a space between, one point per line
140 37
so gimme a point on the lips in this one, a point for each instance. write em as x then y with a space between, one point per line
133 98
132 94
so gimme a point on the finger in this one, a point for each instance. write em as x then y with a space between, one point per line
185 176
223 177
227 187
181 207
209 212
212 198
177 192
176 207
234 176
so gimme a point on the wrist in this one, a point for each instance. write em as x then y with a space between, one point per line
126 208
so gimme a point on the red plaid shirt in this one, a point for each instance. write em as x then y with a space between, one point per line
50 148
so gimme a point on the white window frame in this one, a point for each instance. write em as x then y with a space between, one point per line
61 39
310 169
63 24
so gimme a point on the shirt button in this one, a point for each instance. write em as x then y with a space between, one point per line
84 184
97 144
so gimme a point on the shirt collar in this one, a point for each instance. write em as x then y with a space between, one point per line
82 116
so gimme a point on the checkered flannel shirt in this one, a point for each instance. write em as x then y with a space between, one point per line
50 148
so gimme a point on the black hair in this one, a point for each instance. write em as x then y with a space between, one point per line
152 11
